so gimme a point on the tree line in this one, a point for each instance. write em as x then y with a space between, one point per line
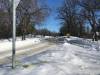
28 13
79 15
78 18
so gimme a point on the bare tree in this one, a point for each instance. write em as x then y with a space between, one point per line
30 12
5 19
68 15
90 8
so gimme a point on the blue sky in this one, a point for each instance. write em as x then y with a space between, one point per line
52 23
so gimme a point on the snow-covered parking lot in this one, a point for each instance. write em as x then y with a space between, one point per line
64 59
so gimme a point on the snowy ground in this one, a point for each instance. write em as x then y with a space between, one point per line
6 45
64 59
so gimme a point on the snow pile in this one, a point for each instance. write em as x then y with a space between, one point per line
69 55
85 43
27 42
66 44
7 45
48 37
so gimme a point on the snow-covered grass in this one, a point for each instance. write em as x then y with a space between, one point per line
7 45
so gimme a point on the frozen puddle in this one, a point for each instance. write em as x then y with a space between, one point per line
65 59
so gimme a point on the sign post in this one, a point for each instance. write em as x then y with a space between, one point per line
13 6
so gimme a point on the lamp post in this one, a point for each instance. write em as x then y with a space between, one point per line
14 34
13 8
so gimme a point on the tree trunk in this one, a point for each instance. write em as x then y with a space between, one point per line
95 37
23 36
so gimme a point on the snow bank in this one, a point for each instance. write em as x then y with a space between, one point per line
66 44
48 37
7 45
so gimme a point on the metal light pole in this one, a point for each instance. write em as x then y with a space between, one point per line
14 4
14 33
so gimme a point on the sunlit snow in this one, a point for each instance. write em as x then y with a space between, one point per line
63 59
